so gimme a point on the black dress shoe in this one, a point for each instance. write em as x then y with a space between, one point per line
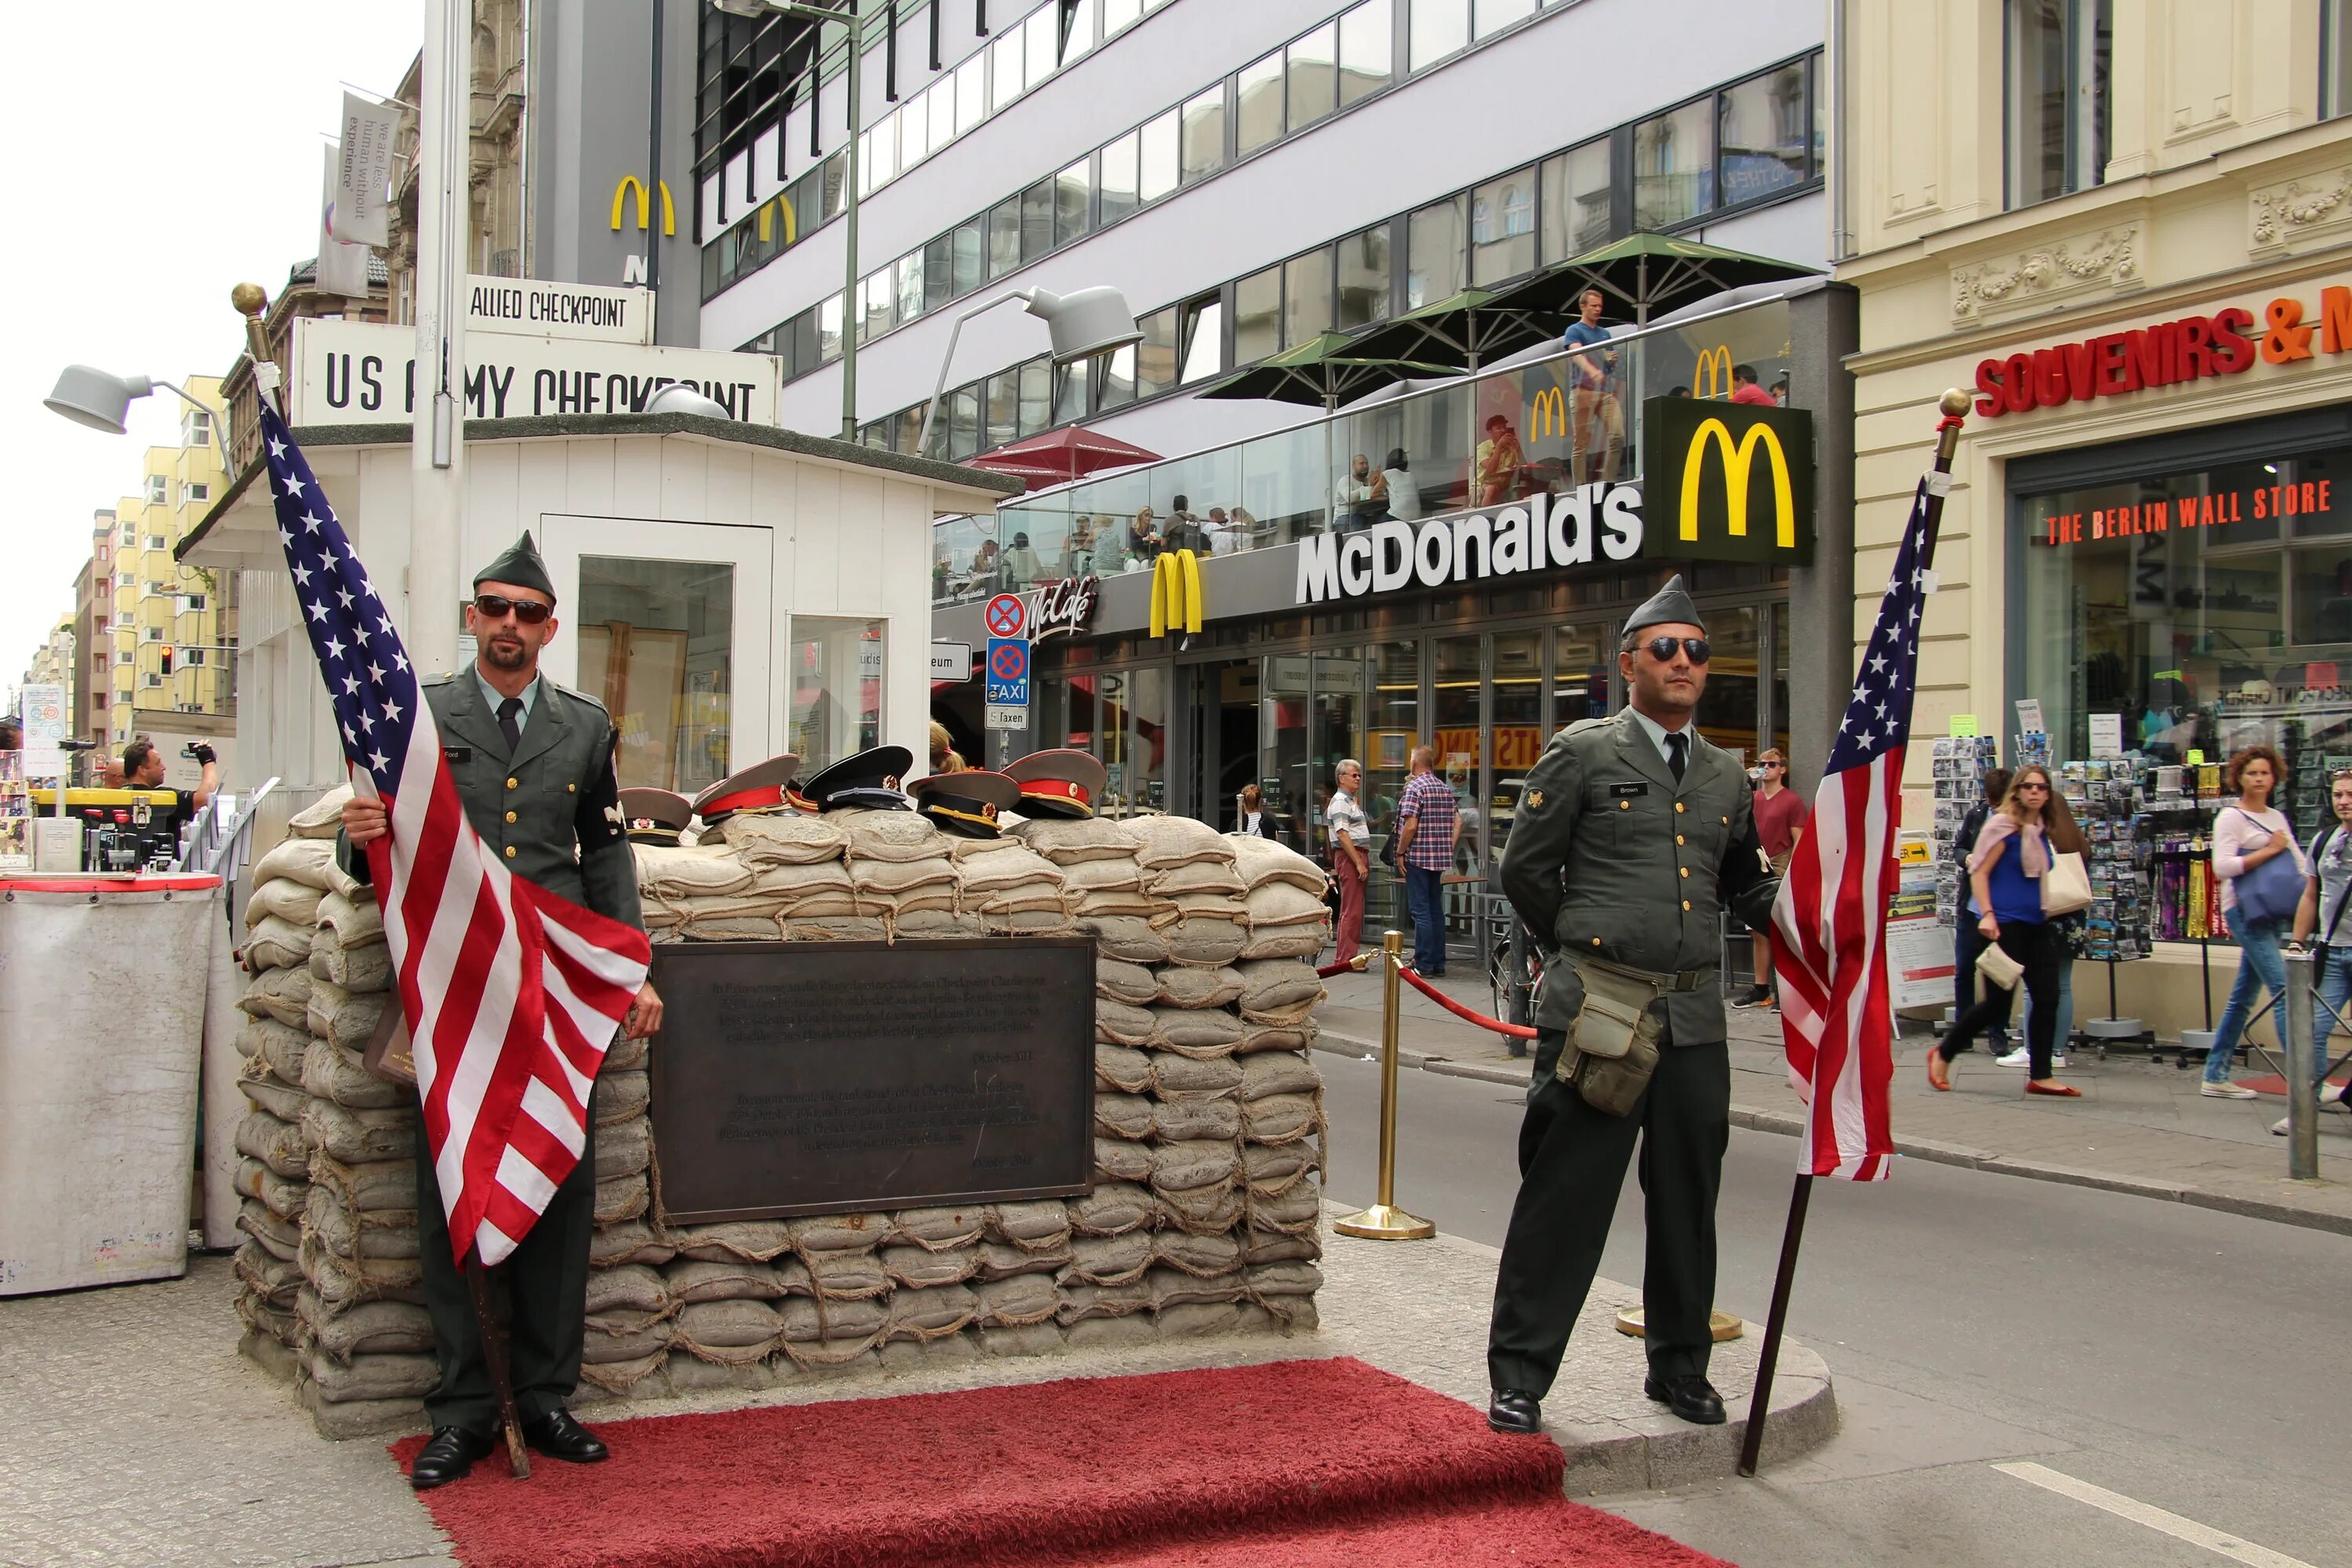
559 1436
1693 1398
450 1453
1515 1411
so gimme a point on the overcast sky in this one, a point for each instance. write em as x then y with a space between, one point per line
162 151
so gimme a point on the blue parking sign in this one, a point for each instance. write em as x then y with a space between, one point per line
1008 671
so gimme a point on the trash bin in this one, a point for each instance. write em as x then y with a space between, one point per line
102 985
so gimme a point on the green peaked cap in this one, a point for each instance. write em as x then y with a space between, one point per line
522 566
1670 605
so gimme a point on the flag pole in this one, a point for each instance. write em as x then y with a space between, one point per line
493 1354
1954 407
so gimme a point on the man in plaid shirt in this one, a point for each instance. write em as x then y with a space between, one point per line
1427 825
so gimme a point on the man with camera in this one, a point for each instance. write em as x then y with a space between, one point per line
142 768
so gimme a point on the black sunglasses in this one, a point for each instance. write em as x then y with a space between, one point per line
497 607
1663 648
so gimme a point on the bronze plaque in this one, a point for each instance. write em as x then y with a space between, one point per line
798 1078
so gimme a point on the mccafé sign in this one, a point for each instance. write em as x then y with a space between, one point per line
2226 342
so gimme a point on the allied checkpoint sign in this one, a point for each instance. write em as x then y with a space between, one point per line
828 1077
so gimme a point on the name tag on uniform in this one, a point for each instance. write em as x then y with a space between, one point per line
1628 790
457 753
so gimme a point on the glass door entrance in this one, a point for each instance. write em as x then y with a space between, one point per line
670 626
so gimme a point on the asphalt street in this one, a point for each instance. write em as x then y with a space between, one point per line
2168 1385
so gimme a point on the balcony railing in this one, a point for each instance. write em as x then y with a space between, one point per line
1566 418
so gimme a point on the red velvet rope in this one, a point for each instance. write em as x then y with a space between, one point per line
1329 970
1516 1031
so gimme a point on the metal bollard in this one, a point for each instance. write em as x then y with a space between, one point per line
2302 1096
1384 1221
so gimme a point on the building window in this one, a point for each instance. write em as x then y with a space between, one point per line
1155 357
1367 52
159 492
122 656
193 655
909 279
154 634
1257 106
1306 297
123 579
1314 66
1072 386
1159 158
1494 16
1005 237
1037 220
2057 71
1503 227
1673 166
1364 278
158 542
1204 134
1440 28
1072 201
194 601
1120 15
2335 58
152 678
1004 70
1037 397
198 493
1204 339
1578 201
1119 195
1257 316
1432 252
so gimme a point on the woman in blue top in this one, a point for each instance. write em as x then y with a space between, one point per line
2005 878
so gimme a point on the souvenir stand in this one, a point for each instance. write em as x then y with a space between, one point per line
2184 899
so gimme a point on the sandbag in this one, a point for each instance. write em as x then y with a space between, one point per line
337 1073
1277 1072
1268 984
280 993
1208 943
382 1187
1002 1260
838 1232
846 1276
363 971
630 1241
1021 1300
1202 1255
889 835
1109 1260
276 943
282 1146
351 1137
1115 875
297 903
1115 980
625 1345
620 1095
278 1044
1177 1076
631 1287
368 1328
1190 988
1293 1212
666 872
753 1240
278 1236
1036 1224
1265 1037
1162 841
1293 1278
1173 1121
1172 1287
931 1313
356 923
341 1282
323 818
372 1377
1082 1302
1120 1160
801 886
1193 1167
734 1279
730 1331
1196 1032
1272 1170
264 1092
1113 1209
1015 866
627 1199
780 838
1122 1068
843 1327
273 1279
919 1268
624 1053
1267 1246
938 1229
1121 1025
1282 1118
1262 860
344 1017
349 1233
1193 878
285 1199
1128 937
1067 842
1123 1116
1302 940
310 861
624 1149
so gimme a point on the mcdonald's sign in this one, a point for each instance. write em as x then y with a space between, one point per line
1548 416
1736 479
769 210
1175 592
1712 377
632 185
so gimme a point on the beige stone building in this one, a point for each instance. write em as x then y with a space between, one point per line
2123 226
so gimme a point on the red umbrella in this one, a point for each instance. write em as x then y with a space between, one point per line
1060 456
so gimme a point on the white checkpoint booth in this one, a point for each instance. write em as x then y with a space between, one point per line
729 591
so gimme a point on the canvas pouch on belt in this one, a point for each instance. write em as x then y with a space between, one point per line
1612 1047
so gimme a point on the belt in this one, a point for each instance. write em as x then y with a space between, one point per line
1664 979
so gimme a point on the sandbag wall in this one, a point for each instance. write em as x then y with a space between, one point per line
1208 1150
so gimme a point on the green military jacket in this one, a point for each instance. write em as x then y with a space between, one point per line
552 810
1609 856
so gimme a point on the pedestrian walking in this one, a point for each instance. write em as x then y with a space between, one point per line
533 763
1428 822
2321 910
1632 837
1779 817
2005 872
1344 819
2247 838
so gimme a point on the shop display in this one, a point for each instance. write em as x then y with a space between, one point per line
1960 764
15 814
2103 793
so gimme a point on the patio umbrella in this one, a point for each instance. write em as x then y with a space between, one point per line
1463 331
1060 456
1321 373
1652 273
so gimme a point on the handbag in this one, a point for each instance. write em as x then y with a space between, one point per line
1996 966
1613 1043
2066 885
2270 891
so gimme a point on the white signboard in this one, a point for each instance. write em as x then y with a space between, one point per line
532 307
1007 716
363 214
2106 734
362 372
2029 716
341 269
951 661
42 709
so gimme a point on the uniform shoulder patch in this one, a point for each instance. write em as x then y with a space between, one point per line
579 696
1535 800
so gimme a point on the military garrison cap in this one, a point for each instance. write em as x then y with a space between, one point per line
654 816
763 786
866 782
522 566
1059 783
1670 605
965 803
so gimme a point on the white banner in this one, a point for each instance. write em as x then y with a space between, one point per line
41 709
532 307
363 373
342 269
363 173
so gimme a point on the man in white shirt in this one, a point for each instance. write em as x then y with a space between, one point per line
1348 830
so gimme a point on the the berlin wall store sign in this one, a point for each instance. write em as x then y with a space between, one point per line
2228 343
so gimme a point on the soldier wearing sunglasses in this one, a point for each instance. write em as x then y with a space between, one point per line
533 763
1633 834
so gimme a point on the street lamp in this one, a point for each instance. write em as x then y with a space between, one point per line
846 13
1090 322
685 397
91 396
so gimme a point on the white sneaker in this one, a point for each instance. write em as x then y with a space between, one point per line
2278 1127
2226 1090
2021 1056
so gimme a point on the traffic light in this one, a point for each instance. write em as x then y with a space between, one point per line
167 659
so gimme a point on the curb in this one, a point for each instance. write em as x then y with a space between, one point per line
1757 1119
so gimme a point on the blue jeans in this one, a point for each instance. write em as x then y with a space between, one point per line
2335 990
2064 1010
2258 963
1424 896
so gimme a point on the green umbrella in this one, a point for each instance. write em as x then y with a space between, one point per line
1652 273
1463 330
1322 373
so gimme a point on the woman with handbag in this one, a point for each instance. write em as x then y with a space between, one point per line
2322 914
2007 875
2263 874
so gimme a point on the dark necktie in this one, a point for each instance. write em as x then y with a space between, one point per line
1675 744
510 726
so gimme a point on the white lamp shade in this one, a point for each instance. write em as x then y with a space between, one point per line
683 397
1088 322
87 395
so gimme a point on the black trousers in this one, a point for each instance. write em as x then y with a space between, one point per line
547 1285
1572 1162
2041 948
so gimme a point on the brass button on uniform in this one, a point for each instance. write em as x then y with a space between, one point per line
1596 940
510 816
1685 906
510 851
1726 822
1685 870
574 789
513 782
1678 838
1625 805
1678 806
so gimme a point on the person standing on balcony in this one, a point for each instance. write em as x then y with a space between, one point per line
1596 421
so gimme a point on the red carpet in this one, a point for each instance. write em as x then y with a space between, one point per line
2272 1083
1292 1465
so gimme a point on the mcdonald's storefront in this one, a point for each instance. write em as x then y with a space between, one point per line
1478 631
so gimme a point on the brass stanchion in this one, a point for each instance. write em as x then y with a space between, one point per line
1384 1221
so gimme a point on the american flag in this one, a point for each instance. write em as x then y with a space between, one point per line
1829 924
511 994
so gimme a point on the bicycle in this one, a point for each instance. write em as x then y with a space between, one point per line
1514 998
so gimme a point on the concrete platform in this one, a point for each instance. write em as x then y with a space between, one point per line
134 1434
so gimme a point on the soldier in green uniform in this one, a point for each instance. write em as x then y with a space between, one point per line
1630 835
533 764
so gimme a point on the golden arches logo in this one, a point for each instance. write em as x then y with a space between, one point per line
1176 593
632 185
1737 460
769 209
1550 410
1713 376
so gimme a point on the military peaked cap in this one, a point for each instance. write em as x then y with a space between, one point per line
866 782
763 786
1670 605
965 803
654 816
1059 783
